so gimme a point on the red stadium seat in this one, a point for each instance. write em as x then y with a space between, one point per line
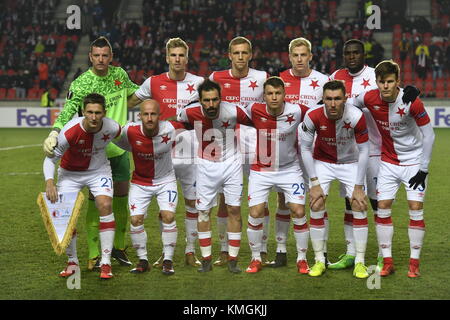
11 95
2 93
441 93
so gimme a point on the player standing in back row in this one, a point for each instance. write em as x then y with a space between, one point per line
240 85
174 90
303 86
115 85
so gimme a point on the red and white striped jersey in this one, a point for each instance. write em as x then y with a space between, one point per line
355 84
399 126
151 156
242 91
304 90
81 150
171 94
276 142
216 138
336 139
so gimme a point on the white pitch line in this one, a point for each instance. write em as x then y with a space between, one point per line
19 173
21 147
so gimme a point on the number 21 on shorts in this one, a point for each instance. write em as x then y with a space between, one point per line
106 182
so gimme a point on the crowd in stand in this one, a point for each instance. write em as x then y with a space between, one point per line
35 53
29 54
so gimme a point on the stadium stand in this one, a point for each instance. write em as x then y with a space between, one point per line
36 51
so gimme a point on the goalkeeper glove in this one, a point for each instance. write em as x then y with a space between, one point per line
50 143
410 93
418 179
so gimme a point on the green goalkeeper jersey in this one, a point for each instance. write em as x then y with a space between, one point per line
116 87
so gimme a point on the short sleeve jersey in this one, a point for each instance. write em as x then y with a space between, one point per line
242 91
151 156
116 87
304 90
276 144
170 94
80 150
216 138
355 84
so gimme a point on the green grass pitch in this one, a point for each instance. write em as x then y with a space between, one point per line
29 268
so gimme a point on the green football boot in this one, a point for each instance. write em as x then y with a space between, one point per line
345 261
360 271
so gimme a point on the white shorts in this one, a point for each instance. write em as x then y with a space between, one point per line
185 173
140 197
345 173
371 178
289 182
391 176
247 146
212 177
99 181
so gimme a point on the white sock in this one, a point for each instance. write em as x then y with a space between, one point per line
191 229
71 249
416 232
222 231
385 231
282 222
234 243
265 236
169 239
138 237
254 234
360 233
107 229
326 222
204 239
317 234
380 255
348 231
301 233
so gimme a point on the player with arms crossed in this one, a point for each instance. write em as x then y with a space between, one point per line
303 86
114 84
81 148
341 152
150 141
240 85
173 90
277 165
218 167
358 78
407 142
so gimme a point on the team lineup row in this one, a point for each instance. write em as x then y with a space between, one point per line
277 117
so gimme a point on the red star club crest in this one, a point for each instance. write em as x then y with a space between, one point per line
165 139
314 84
105 137
253 85
190 88
198 201
290 118
347 125
117 83
249 198
401 112
132 207
365 83
225 124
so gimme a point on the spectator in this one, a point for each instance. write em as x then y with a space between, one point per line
43 74
47 100
437 62
20 85
404 47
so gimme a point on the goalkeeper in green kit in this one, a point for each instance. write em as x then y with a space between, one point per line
115 85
